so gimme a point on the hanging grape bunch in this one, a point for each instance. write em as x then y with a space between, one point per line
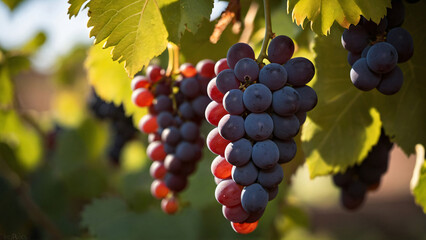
357 180
121 125
173 124
257 111
376 49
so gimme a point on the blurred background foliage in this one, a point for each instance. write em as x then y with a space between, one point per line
57 181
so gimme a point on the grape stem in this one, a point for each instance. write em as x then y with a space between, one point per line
268 32
173 64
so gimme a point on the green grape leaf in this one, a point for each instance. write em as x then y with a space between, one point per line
135 30
322 14
12 4
418 182
184 15
344 126
140 30
111 219
111 81
403 114
75 7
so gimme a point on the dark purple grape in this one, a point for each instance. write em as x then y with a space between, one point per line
171 136
355 39
274 76
163 103
186 152
391 82
382 57
245 175
254 198
231 127
186 111
238 153
226 81
246 70
308 98
233 102
238 51
165 119
285 127
271 177
258 126
280 49
362 77
175 182
272 192
257 98
199 105
403 42
190 87
300 71
265 154
285 101
287 150
189 131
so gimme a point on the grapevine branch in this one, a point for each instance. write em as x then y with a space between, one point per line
268 32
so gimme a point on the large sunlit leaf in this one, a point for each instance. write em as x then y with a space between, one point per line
344 126
111 81
322 14
404 113
135 30
139 30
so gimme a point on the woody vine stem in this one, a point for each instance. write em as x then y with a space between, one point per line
268 32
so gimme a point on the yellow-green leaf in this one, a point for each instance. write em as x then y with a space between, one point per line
322 14
111 81
135 30
75 6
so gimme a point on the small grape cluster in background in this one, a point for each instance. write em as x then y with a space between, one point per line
357 180
122 125
257 111
176 110
376 49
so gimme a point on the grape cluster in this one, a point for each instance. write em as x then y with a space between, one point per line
176 110
121 126
257 110
375 49
357 180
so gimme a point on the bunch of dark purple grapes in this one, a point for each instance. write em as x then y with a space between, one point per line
173 125
357 180
258 110
121 125
375 49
